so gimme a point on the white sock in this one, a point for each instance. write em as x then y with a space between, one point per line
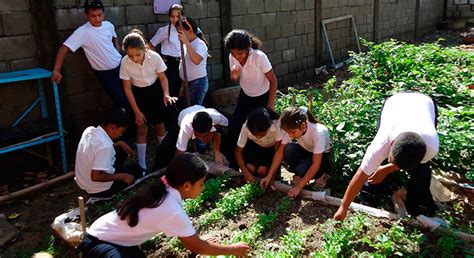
160 138
141 151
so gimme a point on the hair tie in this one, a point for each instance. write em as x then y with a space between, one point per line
164 181
303 110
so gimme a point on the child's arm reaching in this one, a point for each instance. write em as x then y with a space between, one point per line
167 99
239 158
277 158
140 119
295 191
273 89
195 57
56 76
199 246
100 176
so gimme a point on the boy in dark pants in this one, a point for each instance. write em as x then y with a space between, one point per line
99 41
97 170
406 139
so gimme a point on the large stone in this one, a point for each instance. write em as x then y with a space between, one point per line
10 232
116 15
211 25
17 23
281 43
268 19
273 32
289 55
288 5
238 7
14 5
255 6
214 9
137 14
17 47
272 5
69 19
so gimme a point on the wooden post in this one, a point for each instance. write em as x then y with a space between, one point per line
310 102
185 71
82 214
294 100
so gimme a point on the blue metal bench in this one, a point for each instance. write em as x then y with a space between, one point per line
46 134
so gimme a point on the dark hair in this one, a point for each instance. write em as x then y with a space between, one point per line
174 7
93 5
134 39
407 150
241 39
186 22
293 117
182 168
202 122
260 119
117 116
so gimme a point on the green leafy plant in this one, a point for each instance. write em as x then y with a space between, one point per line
264 222
231 204
213 187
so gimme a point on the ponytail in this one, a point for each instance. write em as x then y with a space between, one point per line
293 117
151 197
183 168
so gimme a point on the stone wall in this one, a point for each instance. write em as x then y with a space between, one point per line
17 51
460 8
290 30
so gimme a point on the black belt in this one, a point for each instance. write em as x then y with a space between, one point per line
166 57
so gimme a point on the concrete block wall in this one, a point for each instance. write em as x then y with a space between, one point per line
340 34
431 13
287 30
17 51
396 19
207 14
460 8
290 31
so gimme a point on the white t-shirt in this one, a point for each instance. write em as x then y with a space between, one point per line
195 71
185 122
94 152
170 46
142 75
252 77
316 139
169 217
403 112
97 44
273 135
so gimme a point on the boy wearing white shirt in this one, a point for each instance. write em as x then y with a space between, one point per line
97 171
99 41
406 139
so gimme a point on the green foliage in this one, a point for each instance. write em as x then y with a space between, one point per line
396 242
264 222
340 240
213 187
231 204
292 244
353 108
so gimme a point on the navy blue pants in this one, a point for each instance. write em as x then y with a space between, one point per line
299 160
113 85
245 105
93 247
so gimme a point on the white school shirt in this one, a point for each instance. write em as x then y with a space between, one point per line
169 217
403 112
185 122
170 46
94 152
142 75
195 71
273 135
252 77
97 44
316 139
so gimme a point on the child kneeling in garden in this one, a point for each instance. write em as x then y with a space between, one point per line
157 209
259 138
309 157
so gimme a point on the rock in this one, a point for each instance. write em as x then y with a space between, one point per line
3 216
10 232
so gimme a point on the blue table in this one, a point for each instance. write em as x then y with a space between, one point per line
38 74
